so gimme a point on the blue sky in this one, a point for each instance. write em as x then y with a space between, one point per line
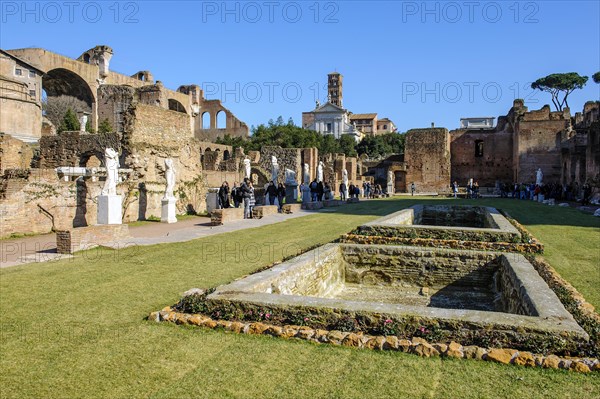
412 61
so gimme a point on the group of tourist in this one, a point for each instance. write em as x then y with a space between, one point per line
242 194
472 189
556 191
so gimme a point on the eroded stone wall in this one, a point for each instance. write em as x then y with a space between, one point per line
427 156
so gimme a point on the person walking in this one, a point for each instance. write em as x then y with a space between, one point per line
313 190
224 196
272 192
343 191
245 192
252 199
413 188
235 195
455 189
280 195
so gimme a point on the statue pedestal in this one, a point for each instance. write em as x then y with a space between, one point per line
212 199
168 212
291 193
306 195
109 209
390 189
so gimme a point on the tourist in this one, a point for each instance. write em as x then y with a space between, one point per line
475 190
272 192
351 190
236 195
455 189
413 188
320 190
327 192
356 191
251 200
245 191
223 196
280 195
313 190
587 193
343 191
368 190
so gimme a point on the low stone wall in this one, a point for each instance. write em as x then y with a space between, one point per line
416 345
260 212
439 222
352 200
403 266
80 238
330 203
220 216
439 243
312 206
291 208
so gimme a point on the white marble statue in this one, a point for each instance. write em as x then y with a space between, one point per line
82 123
170 176
345 177
390 178
290 177
320 171
111 160
306 176
247 168
539 176
274 169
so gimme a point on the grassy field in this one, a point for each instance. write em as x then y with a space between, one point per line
76 328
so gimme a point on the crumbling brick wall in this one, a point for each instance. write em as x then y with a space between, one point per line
14 154
427 154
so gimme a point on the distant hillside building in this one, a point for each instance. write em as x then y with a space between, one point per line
332 118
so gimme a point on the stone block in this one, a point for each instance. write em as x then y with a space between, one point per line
220 216
259 212
109 209
80 238
291 208
330 203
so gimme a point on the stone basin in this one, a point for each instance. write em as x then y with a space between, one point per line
468 290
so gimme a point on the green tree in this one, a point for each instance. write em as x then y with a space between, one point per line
596 77
69 122
348 145
560 83
105 126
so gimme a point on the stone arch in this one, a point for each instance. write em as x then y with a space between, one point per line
63 82
175 105
221 119
205 120
226 155
91 159
262 178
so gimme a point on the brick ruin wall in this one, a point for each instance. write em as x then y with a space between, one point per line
495 164
14 154
537 144
427 154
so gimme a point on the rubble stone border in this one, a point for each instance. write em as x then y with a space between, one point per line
416 345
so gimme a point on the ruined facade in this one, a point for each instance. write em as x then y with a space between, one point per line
427 156
524 141
84 79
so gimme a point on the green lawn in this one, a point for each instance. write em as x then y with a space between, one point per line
76 328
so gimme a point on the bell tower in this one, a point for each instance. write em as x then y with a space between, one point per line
334 88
